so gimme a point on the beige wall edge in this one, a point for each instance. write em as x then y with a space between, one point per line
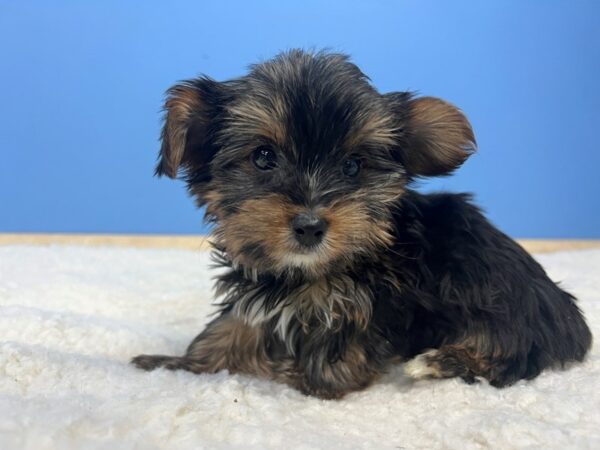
197 242
122 240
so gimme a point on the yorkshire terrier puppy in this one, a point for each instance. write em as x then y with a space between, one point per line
336 268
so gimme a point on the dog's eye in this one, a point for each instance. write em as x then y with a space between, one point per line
351 167
264 158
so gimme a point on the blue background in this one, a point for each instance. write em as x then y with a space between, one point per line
82 83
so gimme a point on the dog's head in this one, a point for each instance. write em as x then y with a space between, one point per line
301 162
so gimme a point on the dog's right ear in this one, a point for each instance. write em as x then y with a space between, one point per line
436 136
189 109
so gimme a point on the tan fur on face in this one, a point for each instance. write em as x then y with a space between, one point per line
374 129
257 119
212 199
350 226
266 222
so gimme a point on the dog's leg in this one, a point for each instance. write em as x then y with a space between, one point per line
226 343
504 352
466 362
353 371
446 362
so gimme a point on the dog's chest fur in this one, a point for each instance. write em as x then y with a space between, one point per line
294 309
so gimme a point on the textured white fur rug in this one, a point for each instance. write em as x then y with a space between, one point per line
71 317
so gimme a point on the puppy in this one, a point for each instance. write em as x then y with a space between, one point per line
336 268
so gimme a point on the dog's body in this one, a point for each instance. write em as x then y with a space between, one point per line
336 268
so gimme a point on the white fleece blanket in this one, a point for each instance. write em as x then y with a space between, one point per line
71 318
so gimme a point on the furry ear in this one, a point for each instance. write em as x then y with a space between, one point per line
188 113
437 139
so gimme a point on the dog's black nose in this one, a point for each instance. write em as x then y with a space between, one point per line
309 230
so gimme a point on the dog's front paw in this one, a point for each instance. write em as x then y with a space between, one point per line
151 362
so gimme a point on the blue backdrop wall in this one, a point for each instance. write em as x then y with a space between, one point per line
81 87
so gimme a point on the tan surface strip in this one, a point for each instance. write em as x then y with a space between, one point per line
121 240
556 245
199 242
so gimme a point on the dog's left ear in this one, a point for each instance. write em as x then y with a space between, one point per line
436 136
189 111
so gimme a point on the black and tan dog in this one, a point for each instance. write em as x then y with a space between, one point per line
336 268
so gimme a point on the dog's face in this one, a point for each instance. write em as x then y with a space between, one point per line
301 162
